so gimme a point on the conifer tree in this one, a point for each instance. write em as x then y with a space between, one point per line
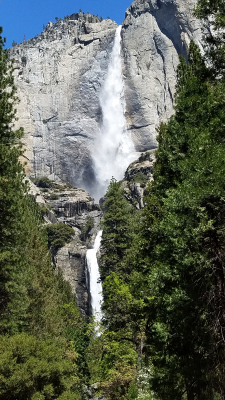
12 190
116 237
183 242
41 329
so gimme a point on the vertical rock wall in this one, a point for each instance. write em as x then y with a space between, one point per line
154 33
58 75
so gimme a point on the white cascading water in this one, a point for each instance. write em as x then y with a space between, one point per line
95 285
113 151
113 148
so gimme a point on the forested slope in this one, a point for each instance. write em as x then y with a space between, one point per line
163 267
42 334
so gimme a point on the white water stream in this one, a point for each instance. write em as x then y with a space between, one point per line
113 151
95 285
113 148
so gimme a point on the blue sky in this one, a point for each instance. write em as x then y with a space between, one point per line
25 18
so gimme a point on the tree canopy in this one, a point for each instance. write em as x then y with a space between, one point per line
168 279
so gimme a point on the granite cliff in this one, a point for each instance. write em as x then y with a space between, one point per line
154 33
136 179
59 75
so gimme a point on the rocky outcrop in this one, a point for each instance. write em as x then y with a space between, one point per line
59 75
136 179
154 33
59 202
70 260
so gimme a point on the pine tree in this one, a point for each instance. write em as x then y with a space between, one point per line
116 237
41 328
12 190
183 242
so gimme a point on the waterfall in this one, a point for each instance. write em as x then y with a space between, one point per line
113 148
95 286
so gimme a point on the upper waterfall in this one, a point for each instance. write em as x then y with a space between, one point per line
113 148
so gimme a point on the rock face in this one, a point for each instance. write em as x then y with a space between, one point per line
58 75
136 179
154 33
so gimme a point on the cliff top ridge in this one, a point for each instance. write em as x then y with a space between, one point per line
72 25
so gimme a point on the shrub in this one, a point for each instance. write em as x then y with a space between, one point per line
24 60
70 186
58 235
147 156
53 196
43 182
36 369
141 178
43 209
88 225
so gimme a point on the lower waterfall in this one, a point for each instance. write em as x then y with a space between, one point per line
95 286
113 150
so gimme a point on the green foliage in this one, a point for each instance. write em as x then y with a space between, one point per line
70 186
112 363
53 196
43 182
120 224
132 391
79 333
37 354
163 285
43 209
46 183
36 293
58 235
36 369
144 156
123 338
116 235
86 227
118 302
140 177
183 241
12 189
